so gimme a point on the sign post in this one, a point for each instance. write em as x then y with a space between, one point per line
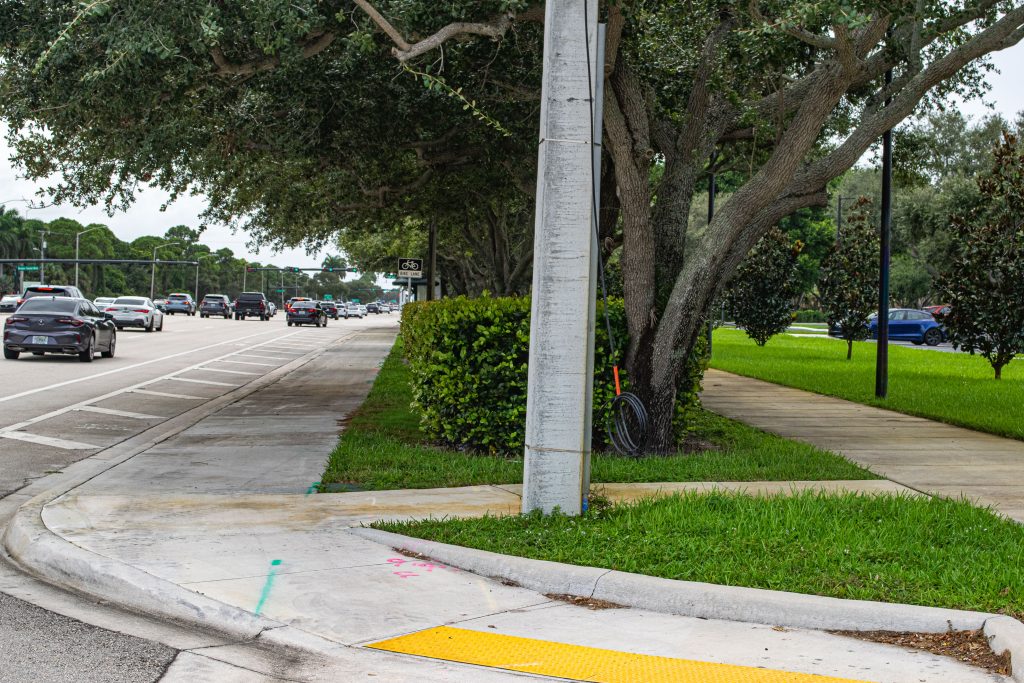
410 268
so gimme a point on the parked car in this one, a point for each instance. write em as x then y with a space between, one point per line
354 310
252 305
50 290
136 311
9 303
215 304
59 324
307 313
102 302
330 308
938 311
908 324
180 303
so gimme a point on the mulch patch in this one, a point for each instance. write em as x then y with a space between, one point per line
970 647
580 601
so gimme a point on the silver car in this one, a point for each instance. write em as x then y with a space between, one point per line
136 311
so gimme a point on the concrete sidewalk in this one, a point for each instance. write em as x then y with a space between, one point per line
216 527
922 454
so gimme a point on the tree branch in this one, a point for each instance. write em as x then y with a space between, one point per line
314 45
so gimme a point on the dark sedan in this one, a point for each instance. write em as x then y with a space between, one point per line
306 313
59 325
330 309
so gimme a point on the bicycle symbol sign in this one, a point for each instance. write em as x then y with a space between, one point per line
410 267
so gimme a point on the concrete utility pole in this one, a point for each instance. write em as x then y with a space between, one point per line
558 399
77 238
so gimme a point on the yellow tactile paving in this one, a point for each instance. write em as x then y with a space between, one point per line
576 662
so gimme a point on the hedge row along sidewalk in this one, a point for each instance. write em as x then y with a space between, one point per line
956 388
382 448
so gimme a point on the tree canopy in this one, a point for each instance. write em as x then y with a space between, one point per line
310 119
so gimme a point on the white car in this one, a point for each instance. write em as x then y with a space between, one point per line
354 310
9 303
136 311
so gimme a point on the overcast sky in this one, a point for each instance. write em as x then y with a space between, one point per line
145 217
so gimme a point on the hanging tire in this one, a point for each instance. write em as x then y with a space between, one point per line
109 353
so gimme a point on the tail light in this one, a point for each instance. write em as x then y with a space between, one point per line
262 305
74 322
16 319
21 301
112 308
140 310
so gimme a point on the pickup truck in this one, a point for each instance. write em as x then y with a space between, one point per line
252 304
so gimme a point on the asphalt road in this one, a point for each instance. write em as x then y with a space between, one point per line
55 411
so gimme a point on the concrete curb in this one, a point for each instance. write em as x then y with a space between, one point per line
711 601
35 549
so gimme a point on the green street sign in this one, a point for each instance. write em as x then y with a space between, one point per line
328 297
27 269
279 291
355 301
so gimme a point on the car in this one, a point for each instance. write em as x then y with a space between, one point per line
161 304
62 325
215 304
307 313
136 311
252 305
938 311
272 307
102 302
288 305
178 302
9 303
50 290
910 324
362 310
330 308
354 310
373 307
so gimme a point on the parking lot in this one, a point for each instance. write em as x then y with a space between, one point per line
55 410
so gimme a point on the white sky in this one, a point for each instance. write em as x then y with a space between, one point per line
145 217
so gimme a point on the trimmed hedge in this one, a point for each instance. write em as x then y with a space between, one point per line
810 315
468 359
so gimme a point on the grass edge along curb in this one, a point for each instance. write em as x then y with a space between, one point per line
955 388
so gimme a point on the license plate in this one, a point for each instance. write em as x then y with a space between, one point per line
41 340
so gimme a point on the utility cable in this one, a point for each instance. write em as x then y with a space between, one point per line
628 420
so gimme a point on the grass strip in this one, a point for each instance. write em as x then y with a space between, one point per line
956 388
903 549
383 448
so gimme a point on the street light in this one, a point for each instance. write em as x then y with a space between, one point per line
76 250
197 274
152 267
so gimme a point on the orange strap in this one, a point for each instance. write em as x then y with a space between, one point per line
615 370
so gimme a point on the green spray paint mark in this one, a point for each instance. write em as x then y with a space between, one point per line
274 564
312 487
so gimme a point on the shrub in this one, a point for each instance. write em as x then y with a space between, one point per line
761 292
810 315
468 359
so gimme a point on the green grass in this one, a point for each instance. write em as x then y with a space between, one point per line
951 387
891 548
382 448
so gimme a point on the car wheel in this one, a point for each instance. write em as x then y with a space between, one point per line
150 326
161 328
227 315
109 353
933 337
289 323
11 355
89 354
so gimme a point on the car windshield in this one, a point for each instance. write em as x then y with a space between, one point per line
49 306
130 301
45 291
302 304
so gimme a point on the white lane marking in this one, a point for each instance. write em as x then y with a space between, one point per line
228 372
126 367
48 441
119 413
245 362
201 381
253 355
165 394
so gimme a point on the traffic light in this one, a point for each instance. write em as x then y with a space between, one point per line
352 270
327 269
295 270
250 269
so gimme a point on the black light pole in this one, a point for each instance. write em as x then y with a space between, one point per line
882 350
712 190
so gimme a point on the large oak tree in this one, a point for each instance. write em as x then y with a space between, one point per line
301 119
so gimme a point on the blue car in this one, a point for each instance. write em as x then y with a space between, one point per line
907 324
180 303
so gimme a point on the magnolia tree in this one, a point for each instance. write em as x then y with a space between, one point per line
848 286
985 284
761 294
306 120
